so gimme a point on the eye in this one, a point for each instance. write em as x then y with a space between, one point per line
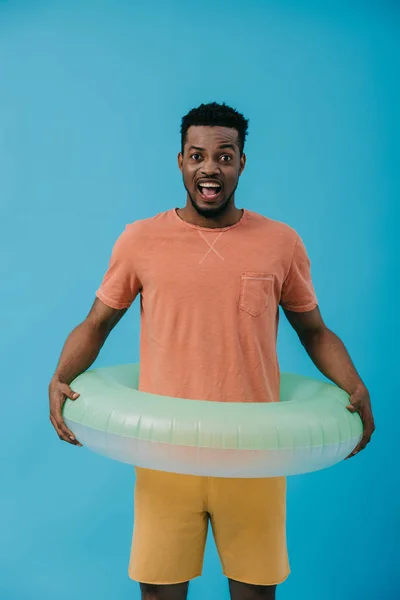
195 156
226 158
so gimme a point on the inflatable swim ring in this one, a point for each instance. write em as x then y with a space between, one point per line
310 428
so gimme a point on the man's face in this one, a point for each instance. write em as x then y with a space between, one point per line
211 165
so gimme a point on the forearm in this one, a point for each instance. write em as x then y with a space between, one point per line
80 351
330 356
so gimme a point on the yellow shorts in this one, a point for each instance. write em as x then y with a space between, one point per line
172 512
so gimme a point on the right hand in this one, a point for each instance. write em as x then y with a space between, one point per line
58 393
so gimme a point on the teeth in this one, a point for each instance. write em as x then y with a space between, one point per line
214 185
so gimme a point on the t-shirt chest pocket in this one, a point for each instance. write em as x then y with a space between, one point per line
255 291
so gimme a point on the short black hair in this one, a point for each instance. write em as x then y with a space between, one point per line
215 115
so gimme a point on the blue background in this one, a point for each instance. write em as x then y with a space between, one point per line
92 94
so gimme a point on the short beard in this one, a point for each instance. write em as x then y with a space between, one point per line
212 212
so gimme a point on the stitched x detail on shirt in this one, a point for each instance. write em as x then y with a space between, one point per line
211 246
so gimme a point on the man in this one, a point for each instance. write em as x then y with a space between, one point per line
211 279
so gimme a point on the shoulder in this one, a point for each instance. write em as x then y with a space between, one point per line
135 231
143 227
278 230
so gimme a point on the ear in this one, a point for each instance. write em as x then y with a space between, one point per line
242 163
180 161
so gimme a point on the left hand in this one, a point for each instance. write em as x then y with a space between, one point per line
361 403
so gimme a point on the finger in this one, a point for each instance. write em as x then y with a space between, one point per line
66 435
57 429
61 425
354 452
368 428
65 389
361 445
368 431
62 430
369 423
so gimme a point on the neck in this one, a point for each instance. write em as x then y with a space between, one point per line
227 216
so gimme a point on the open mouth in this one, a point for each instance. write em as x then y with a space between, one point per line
209 190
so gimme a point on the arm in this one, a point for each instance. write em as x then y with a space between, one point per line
119 288
79 353
330 356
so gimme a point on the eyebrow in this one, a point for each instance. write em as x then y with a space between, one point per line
221 147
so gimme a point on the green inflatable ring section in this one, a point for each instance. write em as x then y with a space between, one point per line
309 429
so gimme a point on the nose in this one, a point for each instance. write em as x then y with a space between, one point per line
209 167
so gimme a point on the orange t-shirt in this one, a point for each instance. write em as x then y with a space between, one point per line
209 302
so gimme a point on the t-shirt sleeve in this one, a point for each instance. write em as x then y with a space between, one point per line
298 294
121 283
